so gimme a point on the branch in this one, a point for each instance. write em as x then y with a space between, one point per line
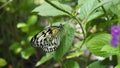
5 4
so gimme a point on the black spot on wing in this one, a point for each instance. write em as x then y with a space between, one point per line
49 31
43 33
46 49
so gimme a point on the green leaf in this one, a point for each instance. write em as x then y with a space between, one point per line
32 20
104 2
3 62
86 8
25 29
66 40
21 25
118 66
96 64
71 64
62 6
89 7
76 50
81 2
110 49
94 16
74 54
47 10
114 9
97 42
45 58
112 6
78 44
27 52
16 47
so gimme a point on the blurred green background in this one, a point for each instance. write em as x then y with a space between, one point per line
19 22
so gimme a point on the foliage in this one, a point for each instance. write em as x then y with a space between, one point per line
95 18
95 46
2 62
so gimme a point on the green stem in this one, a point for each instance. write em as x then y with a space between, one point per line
6 4
104 10
118 57
84 35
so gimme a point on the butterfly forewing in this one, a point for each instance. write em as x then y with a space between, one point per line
48 39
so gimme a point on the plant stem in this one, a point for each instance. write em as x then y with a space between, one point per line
84 35
104 10
87 60
6 4
118 57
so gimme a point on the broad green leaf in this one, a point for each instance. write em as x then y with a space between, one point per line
32 20
86 8
94 16
3 62
97 42
45 58
96 64
66 40
110 49
27 52
47 10
71 64
89 7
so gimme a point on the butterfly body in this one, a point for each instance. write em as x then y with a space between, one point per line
48 39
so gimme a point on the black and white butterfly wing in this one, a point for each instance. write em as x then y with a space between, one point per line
35 41
48 39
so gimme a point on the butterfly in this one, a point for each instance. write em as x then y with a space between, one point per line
48 39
